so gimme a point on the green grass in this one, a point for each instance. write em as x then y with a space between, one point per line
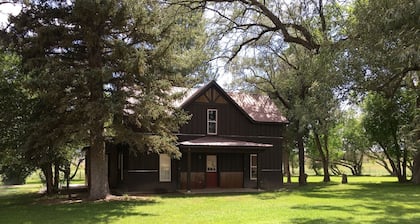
363 200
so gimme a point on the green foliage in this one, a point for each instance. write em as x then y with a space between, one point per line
384 119
383 51
104 70
354 142
116 67
14 116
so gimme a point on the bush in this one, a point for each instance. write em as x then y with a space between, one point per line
14 174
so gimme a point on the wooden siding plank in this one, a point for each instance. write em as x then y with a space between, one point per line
231 179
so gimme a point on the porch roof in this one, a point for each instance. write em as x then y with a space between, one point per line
218 142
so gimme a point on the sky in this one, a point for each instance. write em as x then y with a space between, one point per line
6 9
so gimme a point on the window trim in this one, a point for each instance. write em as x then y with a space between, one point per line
161 157
211 121
251 166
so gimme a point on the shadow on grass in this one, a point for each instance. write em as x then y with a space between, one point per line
392 202
30 208
318 220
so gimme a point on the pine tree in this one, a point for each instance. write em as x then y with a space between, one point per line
105 69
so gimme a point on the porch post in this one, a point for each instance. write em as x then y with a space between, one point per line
189 170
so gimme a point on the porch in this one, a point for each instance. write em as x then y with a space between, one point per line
211 163
221 191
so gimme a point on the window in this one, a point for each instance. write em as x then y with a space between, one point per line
211 163
253 167
212 121
164 168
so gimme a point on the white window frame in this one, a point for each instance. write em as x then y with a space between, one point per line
162 159
211 121
251 167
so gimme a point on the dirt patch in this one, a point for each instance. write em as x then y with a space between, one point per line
83 197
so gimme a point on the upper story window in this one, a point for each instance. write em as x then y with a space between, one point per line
211 121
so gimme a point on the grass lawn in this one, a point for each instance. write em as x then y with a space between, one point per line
363 200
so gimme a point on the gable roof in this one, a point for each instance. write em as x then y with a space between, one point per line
258 108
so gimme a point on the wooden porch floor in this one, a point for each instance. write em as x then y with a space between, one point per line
221 190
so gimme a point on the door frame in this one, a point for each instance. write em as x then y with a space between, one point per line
212 174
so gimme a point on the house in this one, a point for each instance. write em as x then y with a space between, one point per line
233 140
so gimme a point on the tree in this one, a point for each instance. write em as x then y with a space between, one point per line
241 25
104 69
354 143
14 116
382 53
303 87
383 121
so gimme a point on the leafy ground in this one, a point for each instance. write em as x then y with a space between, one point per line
363 200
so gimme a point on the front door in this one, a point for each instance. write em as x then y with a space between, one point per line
211 171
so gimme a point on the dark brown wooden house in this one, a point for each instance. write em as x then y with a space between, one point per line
233 140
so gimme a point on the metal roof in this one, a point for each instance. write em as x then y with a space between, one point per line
258 107
213 141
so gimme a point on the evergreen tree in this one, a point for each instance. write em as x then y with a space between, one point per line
105 69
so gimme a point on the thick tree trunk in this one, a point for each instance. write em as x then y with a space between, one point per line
301 148
48 173
98 188
416 169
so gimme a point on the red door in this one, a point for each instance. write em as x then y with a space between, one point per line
211 171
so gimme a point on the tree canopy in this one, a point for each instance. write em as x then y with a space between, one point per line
103 69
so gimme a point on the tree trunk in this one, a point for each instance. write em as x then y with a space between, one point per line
67 178
98 188
404 165
416 160
56 176
383 163
359 165
416 169
324 159
301 148
335 170
286 165
400 165
395 168
316 171
48 173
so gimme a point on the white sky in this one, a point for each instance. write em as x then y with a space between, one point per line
7 9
